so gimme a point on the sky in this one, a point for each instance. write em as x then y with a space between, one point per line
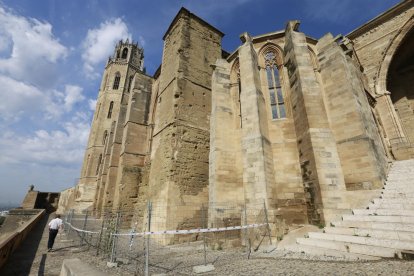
53 52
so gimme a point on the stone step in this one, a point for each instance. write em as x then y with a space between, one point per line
350 247
400 177
406 181
408 167
400 173
373 233
399 183
396 194
383 212
404 174
407 190
402 205
386 200
320 251
386 243
378 218
376 225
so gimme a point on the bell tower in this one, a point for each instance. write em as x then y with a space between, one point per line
120 68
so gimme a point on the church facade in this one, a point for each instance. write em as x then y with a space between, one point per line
306 126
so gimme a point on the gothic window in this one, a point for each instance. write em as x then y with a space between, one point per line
111 106
116 81
130 83
99 164
277 102
236 74
105 135
124 53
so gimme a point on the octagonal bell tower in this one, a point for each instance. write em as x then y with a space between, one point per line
127 59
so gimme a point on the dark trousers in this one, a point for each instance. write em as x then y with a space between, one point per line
52 236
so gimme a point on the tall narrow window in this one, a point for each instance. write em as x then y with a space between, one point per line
99 164
130 83
237 69
105 135
87 165
116 81
111 106
277 102
97 111
124 53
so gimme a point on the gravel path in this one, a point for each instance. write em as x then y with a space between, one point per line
33 259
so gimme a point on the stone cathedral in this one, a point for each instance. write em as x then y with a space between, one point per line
307 126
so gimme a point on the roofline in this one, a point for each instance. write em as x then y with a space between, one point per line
278 34
267 36
405 4
187 12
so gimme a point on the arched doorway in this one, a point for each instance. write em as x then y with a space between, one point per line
400 82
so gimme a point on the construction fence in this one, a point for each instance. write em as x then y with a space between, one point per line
155 243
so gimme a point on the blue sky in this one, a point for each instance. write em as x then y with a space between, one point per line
52 55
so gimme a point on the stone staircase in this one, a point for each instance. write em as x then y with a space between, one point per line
384 230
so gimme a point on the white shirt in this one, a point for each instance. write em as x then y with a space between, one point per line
55 223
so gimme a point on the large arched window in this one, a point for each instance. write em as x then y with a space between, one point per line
275 88
124 53
111 106
116 81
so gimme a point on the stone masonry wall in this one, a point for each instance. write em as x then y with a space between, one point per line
321 168
134 148
258 173
360 150
225 173
180 142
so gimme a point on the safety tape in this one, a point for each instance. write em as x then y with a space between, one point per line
80 230
192 231
84 219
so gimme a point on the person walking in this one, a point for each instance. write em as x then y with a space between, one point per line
54 226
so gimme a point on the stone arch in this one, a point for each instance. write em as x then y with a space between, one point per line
274 48
235 71
124 53
314 59
397 41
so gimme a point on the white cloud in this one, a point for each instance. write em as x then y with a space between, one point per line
29 49
99 44
73 96
29 56
92 104
25 100
19 98
52 148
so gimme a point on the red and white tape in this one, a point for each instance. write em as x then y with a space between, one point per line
192 231
80 230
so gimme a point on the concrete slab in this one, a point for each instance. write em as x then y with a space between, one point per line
203 268
111 264
75 267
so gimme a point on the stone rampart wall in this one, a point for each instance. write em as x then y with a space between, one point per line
11 242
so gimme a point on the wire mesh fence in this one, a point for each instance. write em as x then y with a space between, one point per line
165 238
